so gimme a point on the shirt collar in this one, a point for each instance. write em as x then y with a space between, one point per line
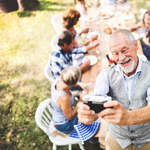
62 51
139 67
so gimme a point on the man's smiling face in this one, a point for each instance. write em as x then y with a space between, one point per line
124 54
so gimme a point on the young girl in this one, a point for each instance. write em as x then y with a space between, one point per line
64 113
81 7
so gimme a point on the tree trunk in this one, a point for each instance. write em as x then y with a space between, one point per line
24 4
21 5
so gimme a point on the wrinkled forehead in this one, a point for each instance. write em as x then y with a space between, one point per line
117 39
114 37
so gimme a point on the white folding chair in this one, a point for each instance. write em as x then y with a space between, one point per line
48 74
57 21
54 41
142 11
44 121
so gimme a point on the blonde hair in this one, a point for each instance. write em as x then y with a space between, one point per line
70 75
70 17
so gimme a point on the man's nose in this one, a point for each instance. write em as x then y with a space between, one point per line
122 57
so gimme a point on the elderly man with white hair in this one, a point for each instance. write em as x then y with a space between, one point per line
128 83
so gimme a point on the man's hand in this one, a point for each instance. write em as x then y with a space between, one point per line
85 65
85 115
117 114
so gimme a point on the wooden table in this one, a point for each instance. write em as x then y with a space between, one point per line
91 74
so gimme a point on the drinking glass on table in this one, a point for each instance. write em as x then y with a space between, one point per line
98 52
89 89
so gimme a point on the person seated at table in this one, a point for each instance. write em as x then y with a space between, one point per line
64 113
66 54
70 19
128 83
81 7
104 3
146 39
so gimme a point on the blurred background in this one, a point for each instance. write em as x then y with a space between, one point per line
25 34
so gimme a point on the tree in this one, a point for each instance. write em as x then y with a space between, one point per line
25 4
12 5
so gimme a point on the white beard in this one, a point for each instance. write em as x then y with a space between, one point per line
129 68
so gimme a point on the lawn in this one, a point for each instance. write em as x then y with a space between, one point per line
24 51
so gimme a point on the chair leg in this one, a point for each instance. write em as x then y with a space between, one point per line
70 147
81 146
54 146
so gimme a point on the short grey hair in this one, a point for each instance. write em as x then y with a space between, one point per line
70 75
128 35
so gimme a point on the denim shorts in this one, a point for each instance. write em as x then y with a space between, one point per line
68 126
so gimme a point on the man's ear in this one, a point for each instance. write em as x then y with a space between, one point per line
63 47
136 45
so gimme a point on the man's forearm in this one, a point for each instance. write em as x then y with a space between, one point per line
139 116
89 47
83 67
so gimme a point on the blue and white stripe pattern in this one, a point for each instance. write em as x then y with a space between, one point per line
60 59
85 132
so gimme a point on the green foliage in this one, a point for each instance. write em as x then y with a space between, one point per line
25 48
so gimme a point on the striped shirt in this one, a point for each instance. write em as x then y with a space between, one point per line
60 59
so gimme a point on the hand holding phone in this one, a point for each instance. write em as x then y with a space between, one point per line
96 102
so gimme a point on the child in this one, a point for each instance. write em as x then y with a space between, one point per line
82 8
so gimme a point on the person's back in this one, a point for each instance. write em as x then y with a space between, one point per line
58 115
64 113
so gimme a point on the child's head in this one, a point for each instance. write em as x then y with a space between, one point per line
70 75
70 18
81 1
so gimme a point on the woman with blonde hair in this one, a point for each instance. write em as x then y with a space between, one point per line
70 19
64 113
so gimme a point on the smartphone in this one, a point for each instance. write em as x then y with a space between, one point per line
96 102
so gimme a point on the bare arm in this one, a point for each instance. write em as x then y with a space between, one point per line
120 116
65 104
95 44
85 65
134 27
84 31
88 41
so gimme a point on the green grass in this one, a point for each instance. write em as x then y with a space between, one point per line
24 51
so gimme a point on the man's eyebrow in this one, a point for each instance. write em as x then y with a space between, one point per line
124 47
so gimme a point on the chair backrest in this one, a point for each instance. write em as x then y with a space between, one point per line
57 21
54 41
43 116
48 74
